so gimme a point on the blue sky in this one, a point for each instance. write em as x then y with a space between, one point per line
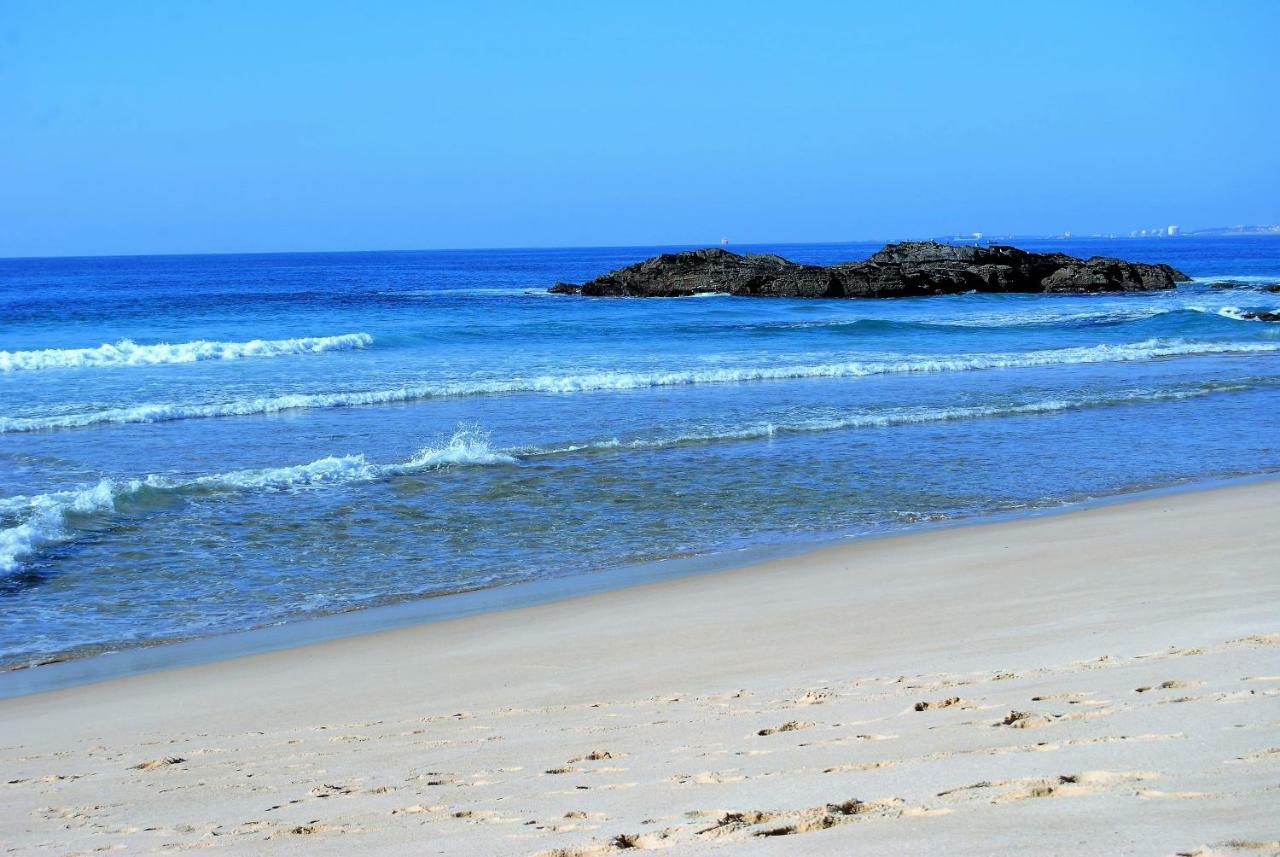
132 127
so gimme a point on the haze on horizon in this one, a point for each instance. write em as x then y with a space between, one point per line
139 127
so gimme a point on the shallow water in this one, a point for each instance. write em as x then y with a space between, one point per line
192 445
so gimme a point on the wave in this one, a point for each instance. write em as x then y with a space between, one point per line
1230 312
507 291
1098 318
1050 318
46 519
898 417
1251 279
126 352
994 321
1150 349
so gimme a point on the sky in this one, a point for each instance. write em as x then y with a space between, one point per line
236 126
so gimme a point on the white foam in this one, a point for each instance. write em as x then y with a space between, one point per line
468 445
604 381
46 518
892 417
1047 318
126 352
1251 279
1233 312
1050 318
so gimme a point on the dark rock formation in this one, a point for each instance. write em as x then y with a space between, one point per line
909 269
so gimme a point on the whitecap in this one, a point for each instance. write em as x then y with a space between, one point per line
621 380
1250 279
895 417
126 352
45 519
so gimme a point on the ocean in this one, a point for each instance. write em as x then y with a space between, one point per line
194 445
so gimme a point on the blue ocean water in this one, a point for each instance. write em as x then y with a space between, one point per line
194 445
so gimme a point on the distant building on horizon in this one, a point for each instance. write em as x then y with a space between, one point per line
1173 231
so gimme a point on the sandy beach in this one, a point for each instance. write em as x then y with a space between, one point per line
559 430
1104 681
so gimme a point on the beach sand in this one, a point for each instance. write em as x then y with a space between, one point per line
1100 682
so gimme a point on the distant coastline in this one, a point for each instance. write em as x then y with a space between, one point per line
1236 230
1212 232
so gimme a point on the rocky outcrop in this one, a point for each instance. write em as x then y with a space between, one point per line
909 269
1262 315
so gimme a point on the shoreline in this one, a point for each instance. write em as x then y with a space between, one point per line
73 670
1104 680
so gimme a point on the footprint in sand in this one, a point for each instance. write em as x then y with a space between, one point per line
153 764
861 766
789 823
949 702
1168 685
1029 720
1257 640
1071 785
621 842
789 726
708 778
312 828
813 697
417 808
1257 756
597 756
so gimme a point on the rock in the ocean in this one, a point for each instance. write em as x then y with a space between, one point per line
909 269
1261 315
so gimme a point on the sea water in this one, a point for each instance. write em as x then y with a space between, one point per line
201 444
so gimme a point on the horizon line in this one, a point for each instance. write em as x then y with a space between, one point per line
948 238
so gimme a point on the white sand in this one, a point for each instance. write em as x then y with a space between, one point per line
1140 644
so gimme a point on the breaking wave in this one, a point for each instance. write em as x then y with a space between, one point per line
51 518
126 352
898 417
1230 312
1249 279
612 380
45 519
1039 317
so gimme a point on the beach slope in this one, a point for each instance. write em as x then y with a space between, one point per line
1104 681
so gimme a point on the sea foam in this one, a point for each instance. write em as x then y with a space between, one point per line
1229 312
126 352
898 417
49 518
571 382
44 519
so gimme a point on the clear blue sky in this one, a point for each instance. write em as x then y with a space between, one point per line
134 127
